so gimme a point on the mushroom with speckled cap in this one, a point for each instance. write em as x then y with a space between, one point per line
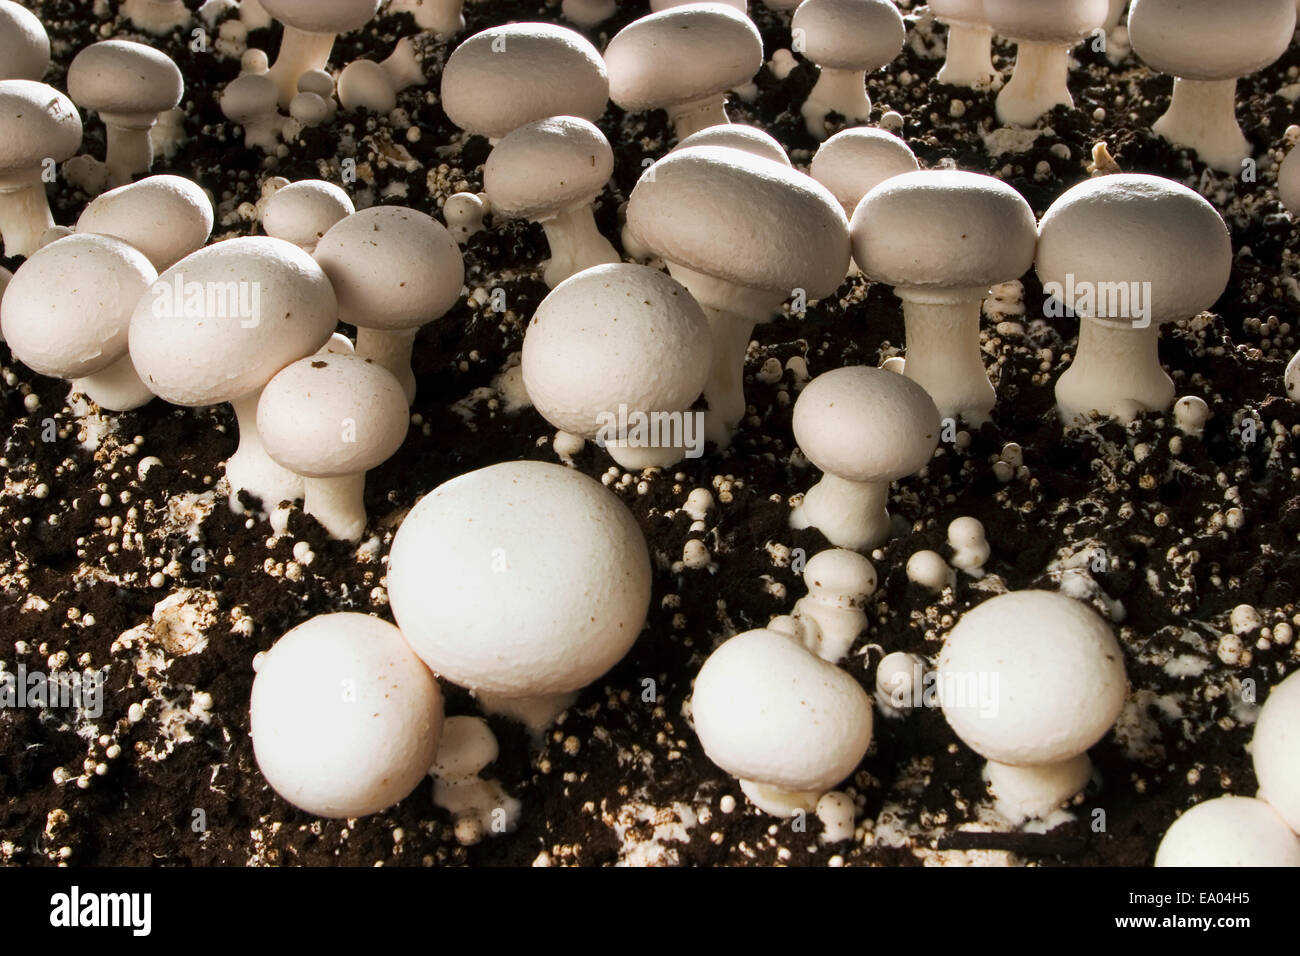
549 172
942 238
742 233
66 314
218 325
969 60
165 217
310 27
38 124
1275 750
24 44
1127 253
1229 832
856 160
303 211
683 60
750 139
864 428
394 269
847 39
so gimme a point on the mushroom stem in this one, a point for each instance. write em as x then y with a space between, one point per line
943 350
536 712
692 117
338 504
300 51
851 514
1039 82
130 149
117 388
1202 115
576 244
638 458
251 469
970 58
725 389
778 801
840 91
1116 372
1031 793
392 350
24 213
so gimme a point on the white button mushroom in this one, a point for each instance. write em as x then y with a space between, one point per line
1207 46
789 725
930 570
1044 34
1127 253
684 60
1190 415
128 84
156 16
304 211
742 233
900 680
345 719
1275 750
549 172
970 548
37 123
969 61
620 344
363 84
856 160
524 580
219 324
24 44
309 30
839 584
847 39
66 314
1288 182
250 101
331 419
1291 378
864 428
165 217
751 139
1030 680
1229 832
942 238
394 269
463 213
443 17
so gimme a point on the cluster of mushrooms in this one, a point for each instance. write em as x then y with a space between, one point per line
485 575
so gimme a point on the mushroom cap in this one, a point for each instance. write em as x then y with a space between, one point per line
364 83
304 211
1053 668
510 75
547 166
866 424
202 347
1288 182
323 16
24 44
392 268
1275 749
165 217
856 160
850 34
1061 21
1229 831
657 5
681 55
520 579
331 415
68 307
838 572
36 122
1208 39
614 335
249 96
943 229
345 719
1133 228
768 710
741 218
751 139
124 77
958 11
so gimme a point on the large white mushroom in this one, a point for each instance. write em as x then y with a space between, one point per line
750 139
1275 750
24 44
165 217
38 124
856 160
302 212
969 60
310 27
1229 832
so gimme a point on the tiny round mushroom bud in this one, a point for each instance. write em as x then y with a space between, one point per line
463 213
1030 680
847 39
1044 34
249 100
789 725
218 325
1229 832
930 570
900 679
942 238
443 17
864 428
683 60
157 16
331 419
345 719
970 548
304 211
394 269
38 124
165 217
309 30
839 583
67 311
1207 46
549 172
255 61
128 84
24 44
524 580
751 139
856 160
1288 182
506 76
590 13
1127 253
617 354
1275 750
363 84
969 61
1190 415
